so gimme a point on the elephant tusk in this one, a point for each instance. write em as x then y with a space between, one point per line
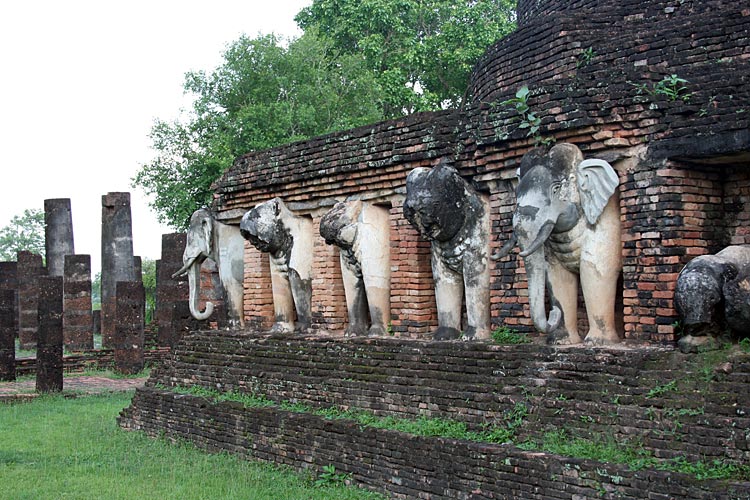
505 250
184 269
544 233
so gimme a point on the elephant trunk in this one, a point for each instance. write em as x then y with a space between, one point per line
536 274
544 232
194 282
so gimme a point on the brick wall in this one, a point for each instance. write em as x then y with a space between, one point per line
587 392
595 104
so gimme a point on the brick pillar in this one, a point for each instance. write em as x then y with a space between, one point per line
7 335
258 296
96 322
129 337
670 215
49 353
78 325
117 256
9 281
328 299
169 290
30 269
58 234
413 308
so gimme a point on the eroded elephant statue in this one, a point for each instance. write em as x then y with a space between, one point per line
288 239
567 225
207 238
361 230
712 297
455 219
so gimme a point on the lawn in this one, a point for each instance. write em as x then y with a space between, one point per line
55 447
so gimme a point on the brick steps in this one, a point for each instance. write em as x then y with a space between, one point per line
654 396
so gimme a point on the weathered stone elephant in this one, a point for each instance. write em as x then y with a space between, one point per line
288 239
567 224
207 238
362 232
452 216
712 297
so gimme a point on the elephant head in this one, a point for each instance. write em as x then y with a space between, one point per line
559 196
200 246
437 202
263 227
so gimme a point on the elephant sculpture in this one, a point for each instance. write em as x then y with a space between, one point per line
207 238
362 233
567 225
446 211
288 239
712 297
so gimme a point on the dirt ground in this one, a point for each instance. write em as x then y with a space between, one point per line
72 385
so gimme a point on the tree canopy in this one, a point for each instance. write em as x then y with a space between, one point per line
25 232
358 62
421 52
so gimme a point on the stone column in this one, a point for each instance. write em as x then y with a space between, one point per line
9 281
129 337
49 354
117 256
30 269
7 335
170 290
58 234
78 325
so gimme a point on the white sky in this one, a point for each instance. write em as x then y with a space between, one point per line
81 82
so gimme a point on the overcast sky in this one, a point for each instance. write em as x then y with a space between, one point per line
81 83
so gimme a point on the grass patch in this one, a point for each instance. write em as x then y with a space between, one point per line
509 336
607 449
55 447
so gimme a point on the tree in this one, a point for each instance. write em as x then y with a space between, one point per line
422 52
148 274
263 95
25 232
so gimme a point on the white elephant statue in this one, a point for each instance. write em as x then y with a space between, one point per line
362 232
455 219
288 239
567 225
207 238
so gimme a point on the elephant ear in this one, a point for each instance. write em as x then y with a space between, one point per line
597 182
207 230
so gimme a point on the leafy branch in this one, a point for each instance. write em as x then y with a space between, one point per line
528 118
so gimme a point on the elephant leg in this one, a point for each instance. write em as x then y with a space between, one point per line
356 300
599 292
283 303
449 289
302 295
563 292
376 276
477 288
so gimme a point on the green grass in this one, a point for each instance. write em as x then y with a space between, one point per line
509 336
54 447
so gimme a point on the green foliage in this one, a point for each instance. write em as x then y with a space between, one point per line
148 274
528 118
660 390
585 57
25 232
744 345
96 292
672 87
505 336
54 447
265 93
329 477
421 52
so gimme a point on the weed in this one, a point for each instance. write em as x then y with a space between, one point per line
509 336
529 119
585 57
329 477
744 345
660 390
672 86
